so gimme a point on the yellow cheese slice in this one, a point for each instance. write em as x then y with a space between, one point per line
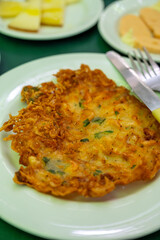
10 9
53 12
29 19
151 18
52 18
135 24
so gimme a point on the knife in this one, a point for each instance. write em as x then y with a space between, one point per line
148 97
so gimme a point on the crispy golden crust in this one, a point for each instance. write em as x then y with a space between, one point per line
83 135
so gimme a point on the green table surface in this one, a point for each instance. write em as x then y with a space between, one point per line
15 52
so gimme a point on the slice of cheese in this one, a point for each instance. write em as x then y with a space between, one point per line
135 24
151 18
53 18
53 12
152 44
29 19
10 9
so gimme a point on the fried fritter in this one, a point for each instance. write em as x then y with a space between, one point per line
84 135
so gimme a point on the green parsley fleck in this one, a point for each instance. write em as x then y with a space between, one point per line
59 113
86 122
101 134
133 166
81 103
56 172
84 140
31 100
36 89
64 183
97 172
52 171
98 120
116 113
46 160
60 172
25 89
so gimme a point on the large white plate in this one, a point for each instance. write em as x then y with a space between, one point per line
109 21
79 17
128 212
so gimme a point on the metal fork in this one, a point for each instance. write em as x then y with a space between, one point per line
147 70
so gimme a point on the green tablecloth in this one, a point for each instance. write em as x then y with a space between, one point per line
16 52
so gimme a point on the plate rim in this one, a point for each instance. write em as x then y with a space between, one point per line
75 55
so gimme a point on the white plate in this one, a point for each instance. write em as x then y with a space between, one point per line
128 212
79 17
109 21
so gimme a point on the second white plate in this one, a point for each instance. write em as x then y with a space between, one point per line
79 17
109 21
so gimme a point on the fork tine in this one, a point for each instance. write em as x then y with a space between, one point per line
132 62
148 68
146 75
135 66
155 67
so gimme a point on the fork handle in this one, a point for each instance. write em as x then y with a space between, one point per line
156 114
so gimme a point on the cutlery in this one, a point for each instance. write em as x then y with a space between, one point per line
149 70
145 93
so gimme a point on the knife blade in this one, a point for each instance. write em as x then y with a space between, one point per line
148 97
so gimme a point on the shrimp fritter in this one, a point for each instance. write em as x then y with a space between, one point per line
84 135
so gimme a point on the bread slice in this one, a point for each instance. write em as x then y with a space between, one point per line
152 44
53 12
10 9
151 18
133 23
29 19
